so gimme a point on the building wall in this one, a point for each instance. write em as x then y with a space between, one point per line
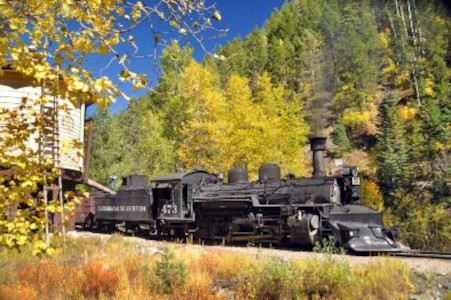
14 87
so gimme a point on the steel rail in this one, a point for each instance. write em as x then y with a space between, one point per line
423 254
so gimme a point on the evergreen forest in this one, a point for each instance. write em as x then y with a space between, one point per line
372 76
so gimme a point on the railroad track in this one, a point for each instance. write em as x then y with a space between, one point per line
423 254
411 253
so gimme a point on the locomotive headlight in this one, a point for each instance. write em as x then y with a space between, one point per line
314 221
353 233
355 171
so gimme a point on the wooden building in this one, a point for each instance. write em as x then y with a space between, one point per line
68 127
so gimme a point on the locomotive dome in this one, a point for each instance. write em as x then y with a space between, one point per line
269 172
238 175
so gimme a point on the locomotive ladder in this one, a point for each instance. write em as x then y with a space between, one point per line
50 148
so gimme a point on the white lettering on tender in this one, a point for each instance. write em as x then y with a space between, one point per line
131 208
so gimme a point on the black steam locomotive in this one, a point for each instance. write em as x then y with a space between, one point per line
288 211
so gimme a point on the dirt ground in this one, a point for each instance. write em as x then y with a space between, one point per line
439 267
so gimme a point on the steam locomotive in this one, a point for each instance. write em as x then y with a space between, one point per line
280 211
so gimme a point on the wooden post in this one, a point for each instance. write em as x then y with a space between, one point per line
41 149
60 192
46 213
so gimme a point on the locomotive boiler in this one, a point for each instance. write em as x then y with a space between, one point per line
275 210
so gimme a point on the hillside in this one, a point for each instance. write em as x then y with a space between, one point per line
371 75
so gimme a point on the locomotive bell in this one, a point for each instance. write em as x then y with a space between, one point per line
318 145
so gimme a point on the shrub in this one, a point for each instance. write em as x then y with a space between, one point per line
423 225
98 281
326 277
171 272
277 279
328 246
384 279
14 292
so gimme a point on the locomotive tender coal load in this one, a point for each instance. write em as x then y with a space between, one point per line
288 211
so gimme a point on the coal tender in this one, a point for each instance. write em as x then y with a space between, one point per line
291 211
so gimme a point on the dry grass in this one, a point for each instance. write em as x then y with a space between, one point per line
91 268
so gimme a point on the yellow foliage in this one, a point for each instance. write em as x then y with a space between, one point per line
407 113
440 20
402 78
232 127
201 135
429 87
384 37
390 66
306 88
360 122
371 195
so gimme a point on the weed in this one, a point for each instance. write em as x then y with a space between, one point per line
328 246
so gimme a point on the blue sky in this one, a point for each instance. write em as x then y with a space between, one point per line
238 16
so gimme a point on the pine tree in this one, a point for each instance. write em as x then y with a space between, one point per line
256 47
393 159
232 59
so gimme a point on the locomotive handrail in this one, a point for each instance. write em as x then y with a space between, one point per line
255 201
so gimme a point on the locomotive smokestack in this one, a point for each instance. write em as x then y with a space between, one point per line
318 145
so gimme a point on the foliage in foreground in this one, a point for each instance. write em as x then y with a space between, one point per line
118 269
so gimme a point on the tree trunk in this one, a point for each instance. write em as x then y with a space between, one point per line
413 59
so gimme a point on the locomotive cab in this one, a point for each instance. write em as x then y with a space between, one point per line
174 205
173 200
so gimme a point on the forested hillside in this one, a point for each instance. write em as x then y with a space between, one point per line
372 75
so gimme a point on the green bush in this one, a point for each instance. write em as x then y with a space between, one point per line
171 272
